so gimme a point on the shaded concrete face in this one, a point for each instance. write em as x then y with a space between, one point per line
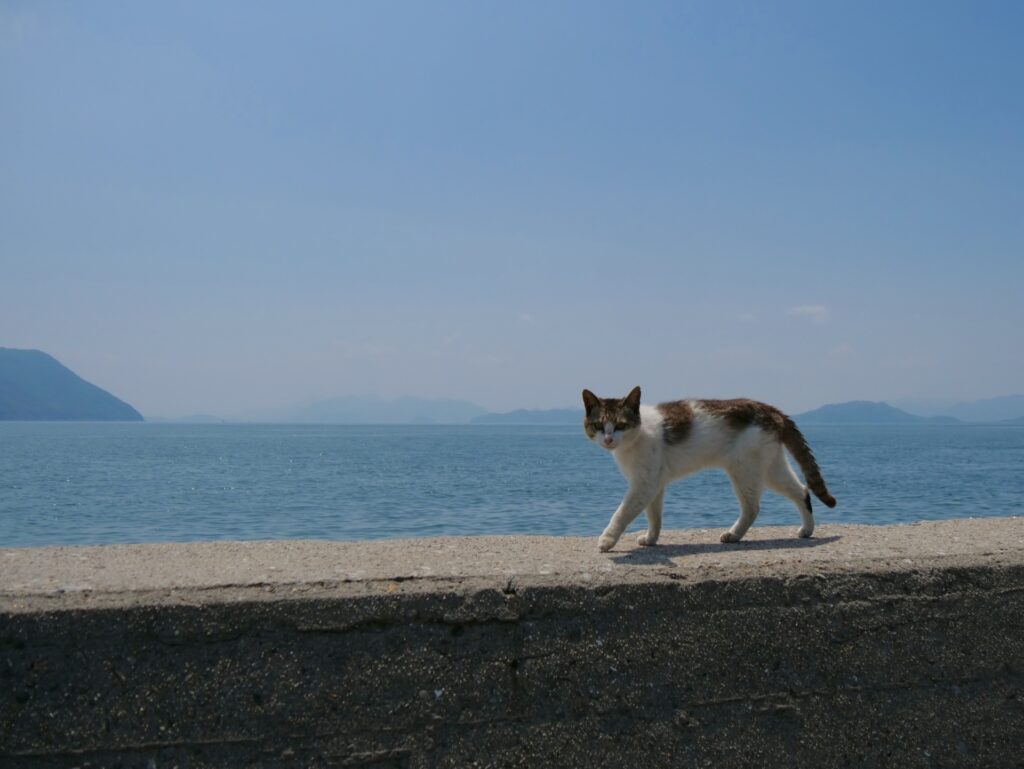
896 646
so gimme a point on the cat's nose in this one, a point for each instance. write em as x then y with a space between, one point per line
608 440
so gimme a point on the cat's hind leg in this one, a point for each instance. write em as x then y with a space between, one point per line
653 521
748 483
782 480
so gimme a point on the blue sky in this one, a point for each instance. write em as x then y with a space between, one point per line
226 207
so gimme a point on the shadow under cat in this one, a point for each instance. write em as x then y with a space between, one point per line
664 555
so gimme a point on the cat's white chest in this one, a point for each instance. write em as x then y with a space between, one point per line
641 458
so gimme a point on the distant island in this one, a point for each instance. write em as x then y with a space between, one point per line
1005 408
867 412
851 412
35 386
531 417
190 419
356 410
421 411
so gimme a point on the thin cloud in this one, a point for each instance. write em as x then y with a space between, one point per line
842 353
816 312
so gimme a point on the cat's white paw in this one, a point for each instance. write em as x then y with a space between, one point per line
646 540
728 536
805 531
606 542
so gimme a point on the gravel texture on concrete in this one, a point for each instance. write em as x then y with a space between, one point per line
864 646
33 578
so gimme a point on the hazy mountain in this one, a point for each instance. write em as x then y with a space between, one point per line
190 419
532 417
1019 421
34 386
923 406
865 412
379 411
989 410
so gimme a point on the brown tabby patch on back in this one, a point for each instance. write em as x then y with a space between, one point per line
677 419
743 412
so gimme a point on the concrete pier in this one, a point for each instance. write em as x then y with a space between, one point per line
863 647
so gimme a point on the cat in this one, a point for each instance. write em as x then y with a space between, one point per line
654 445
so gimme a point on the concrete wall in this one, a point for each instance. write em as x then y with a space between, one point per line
864 647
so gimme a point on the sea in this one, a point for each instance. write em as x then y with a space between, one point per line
102 483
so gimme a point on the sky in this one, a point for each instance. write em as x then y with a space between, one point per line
228 207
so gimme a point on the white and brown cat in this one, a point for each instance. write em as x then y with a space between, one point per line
655 445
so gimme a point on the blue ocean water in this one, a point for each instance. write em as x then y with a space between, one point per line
94 483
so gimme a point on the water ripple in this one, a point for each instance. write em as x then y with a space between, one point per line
105 483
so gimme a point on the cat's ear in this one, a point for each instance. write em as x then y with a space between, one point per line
590 401
632 401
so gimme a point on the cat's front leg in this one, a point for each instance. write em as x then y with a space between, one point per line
650 537
609 536
633 503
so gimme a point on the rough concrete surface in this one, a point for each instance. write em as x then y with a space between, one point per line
863 647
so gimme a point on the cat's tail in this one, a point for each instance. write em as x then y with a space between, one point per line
794 440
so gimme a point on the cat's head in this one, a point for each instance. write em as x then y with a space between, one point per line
608 421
